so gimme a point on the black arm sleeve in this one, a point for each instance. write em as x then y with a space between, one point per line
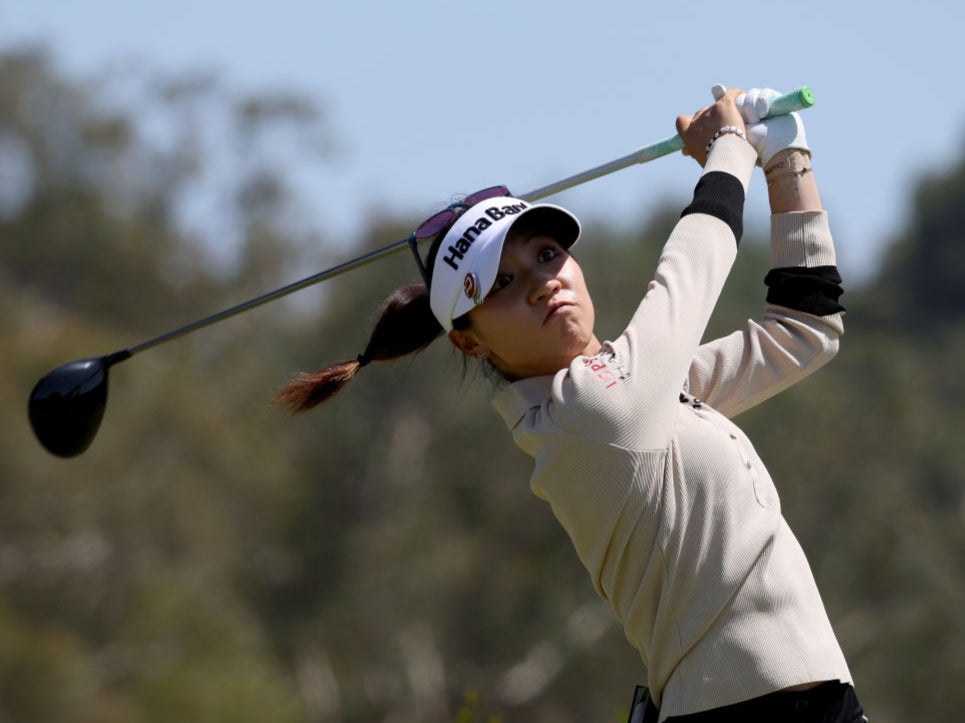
811 290
720 195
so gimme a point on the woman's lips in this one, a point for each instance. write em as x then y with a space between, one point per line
556 308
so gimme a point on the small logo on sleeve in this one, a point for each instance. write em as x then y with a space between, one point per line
607 369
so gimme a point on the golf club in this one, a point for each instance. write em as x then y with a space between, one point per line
67 405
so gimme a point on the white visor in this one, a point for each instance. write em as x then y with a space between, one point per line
467 262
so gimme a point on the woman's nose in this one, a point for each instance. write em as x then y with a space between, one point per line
544 287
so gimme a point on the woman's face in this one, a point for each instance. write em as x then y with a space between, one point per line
538 316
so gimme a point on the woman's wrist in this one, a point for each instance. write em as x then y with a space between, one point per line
731 154
790 182
789 162
726 130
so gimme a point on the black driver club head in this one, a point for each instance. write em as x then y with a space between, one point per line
67 405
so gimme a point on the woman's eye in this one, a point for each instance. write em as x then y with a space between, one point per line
502 281
548 254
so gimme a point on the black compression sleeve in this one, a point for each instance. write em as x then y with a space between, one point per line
720 195
811 290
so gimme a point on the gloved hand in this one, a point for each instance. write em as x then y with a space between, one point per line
770 136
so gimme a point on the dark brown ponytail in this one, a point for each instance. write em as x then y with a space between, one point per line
404 325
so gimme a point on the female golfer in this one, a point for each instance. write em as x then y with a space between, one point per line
665 500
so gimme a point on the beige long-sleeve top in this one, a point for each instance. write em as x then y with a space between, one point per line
666 501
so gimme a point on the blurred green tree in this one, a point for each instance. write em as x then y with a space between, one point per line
211 559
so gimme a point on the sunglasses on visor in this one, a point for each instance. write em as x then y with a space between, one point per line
438 222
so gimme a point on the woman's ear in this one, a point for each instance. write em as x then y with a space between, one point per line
465 342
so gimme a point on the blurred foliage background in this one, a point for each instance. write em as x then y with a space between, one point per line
382 559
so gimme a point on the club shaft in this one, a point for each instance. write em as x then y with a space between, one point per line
799 99
796 100
272 296
641 155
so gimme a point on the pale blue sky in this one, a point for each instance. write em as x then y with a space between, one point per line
432 98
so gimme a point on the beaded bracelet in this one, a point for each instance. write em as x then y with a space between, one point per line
726 130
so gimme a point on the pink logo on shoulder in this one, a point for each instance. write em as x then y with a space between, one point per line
608 373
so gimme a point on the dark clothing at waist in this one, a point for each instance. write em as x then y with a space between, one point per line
831 702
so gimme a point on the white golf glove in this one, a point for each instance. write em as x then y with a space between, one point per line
770 136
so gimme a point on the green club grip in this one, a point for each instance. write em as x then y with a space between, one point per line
799 99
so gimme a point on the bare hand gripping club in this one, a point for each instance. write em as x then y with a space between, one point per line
67 405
